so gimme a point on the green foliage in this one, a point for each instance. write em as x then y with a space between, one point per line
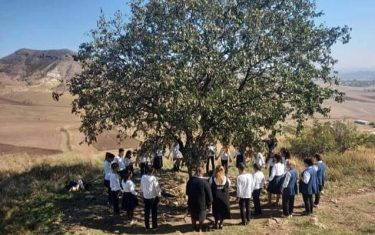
339 136
209 70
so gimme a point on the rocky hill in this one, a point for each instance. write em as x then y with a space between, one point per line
38 66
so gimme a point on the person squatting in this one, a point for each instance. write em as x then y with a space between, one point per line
209 193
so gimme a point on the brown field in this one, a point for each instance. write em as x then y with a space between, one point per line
33 123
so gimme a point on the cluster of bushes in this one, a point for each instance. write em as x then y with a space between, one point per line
339 136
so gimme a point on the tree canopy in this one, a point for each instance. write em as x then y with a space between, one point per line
208 69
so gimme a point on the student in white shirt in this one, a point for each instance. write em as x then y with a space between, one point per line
128 162
225 156
176 154
107 174
285 154
275 180
245 187
258 158
157 160
120 160
259 181
151 193
115 187
211 155
129 200
143 162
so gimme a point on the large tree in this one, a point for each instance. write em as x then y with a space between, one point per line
207 69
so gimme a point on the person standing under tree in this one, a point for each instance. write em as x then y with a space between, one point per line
220 185
239 156
199 198
109 157
142 158
157 160
120 160
115 188
245 187
275 180
129 200
308 185
224 156
176 154
151 192
289 189
320 168
259 181
211 155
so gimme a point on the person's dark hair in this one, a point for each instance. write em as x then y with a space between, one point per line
120 150
109 156
241 166
318 157
128 154
257 167
149 169
128 175
286 153
308 161
278 158
114 165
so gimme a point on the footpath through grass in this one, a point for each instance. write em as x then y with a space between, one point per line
34 200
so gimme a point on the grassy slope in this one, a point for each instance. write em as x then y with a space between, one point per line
34 200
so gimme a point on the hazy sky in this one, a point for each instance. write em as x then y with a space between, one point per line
53 24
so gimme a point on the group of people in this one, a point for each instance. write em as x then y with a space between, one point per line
212 193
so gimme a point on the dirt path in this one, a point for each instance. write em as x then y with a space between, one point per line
351 213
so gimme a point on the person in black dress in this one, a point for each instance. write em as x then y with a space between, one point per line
199 198
220 192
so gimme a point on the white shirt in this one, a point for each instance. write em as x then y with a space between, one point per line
114 182
306 175
270 162
120 161
258 159
287 179
107 170
150 187
143 158
128 162
277 170
211 151
224 156
175 150
245 185
129 187
259 180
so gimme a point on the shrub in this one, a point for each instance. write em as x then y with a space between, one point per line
339 136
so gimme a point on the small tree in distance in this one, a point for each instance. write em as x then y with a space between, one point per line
210 70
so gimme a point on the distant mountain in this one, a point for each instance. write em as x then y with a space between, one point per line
38 66
359 75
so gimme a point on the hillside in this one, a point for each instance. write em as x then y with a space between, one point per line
38 66
358 75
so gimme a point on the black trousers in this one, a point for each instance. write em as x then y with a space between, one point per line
308 200
107 185
288 204
151 204
115 201
256 195
176 164
224 163
143 168
212 159
317 196
245 209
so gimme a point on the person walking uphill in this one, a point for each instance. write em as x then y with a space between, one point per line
199 198
245 187
151 193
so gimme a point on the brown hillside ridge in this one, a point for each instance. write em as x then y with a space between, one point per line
38 66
